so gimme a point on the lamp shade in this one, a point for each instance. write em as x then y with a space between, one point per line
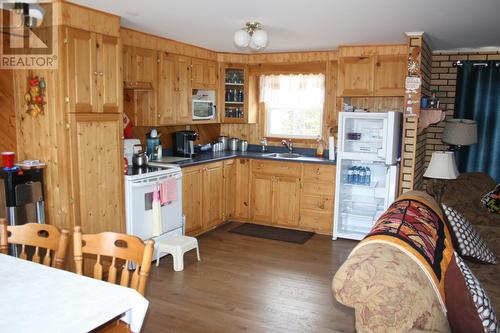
442 166
259 39
460 132
241 38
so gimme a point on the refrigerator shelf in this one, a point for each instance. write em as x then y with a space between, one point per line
365 140
372 185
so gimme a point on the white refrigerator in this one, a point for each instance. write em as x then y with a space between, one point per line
367 170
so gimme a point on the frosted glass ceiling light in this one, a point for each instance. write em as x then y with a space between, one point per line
251 36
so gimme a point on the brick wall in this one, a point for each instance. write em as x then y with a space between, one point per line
444 79
414 143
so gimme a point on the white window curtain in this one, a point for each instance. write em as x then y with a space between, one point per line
294 104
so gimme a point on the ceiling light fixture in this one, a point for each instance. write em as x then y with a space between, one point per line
252 36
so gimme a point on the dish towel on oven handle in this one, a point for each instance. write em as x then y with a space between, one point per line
168 190
157 227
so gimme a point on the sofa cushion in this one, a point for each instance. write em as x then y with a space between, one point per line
468 306
466 240
492 200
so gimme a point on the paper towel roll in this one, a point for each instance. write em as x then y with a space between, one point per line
331 148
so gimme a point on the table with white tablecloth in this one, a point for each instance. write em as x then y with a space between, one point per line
38 298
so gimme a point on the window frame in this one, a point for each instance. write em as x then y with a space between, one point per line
296 138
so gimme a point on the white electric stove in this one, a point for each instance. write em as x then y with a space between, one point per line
140 183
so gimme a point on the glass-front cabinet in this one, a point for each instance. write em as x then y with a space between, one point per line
238 107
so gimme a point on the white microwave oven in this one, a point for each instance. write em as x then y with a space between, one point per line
203 109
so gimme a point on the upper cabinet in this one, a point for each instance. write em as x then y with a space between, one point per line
182 88
139 67
372 71
93 72
389 76
356 76
238 95
203 74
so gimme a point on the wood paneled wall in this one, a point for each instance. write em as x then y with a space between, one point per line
50 141
148 41
7 112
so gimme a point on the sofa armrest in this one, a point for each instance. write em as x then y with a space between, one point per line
388 291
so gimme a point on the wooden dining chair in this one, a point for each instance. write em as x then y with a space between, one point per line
38 236
122 250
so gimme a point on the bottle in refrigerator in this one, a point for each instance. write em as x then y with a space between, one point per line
362 176
350 175
368 176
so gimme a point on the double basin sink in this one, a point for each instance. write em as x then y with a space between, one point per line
284 155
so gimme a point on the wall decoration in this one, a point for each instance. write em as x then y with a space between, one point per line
35 96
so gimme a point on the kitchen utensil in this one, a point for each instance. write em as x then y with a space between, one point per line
233 144
225 142
140 159
8 159
243 145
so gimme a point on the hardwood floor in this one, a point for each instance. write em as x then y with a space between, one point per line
250 284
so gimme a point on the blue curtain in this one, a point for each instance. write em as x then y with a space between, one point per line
478 98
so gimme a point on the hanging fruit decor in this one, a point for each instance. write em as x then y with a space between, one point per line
35 96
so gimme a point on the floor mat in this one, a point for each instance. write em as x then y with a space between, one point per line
280 234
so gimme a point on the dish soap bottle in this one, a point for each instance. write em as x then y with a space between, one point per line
321 147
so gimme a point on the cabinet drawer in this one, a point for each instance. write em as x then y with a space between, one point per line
316 189
317 203
317 221
319 173
276 168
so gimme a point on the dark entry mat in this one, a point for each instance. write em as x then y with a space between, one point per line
280 234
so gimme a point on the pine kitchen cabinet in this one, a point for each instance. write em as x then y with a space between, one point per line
182 89
204 74
230 181
79 135
275 193
317 198
202 197
139 67
243 173
372 71
93 72
97 171
191 199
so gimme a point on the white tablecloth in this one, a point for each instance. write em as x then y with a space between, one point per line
37 298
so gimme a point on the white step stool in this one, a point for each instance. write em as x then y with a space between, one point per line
177 246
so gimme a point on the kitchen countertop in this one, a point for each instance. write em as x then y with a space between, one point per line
208 157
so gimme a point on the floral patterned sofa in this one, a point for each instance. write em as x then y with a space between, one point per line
390 293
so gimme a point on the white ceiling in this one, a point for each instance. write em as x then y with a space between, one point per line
313 24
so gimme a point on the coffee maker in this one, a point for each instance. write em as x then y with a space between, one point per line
184 143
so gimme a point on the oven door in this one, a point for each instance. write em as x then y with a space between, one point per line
140 207
203 110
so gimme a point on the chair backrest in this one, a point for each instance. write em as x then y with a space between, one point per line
118 248
39 236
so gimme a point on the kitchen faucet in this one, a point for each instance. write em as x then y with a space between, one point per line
288 144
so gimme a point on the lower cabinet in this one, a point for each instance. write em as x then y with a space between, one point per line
262 198
230 172
191 198
275 193
212 200
286 194
286 198
202 197
317 198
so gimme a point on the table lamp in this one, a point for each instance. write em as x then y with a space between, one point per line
460 132
441 168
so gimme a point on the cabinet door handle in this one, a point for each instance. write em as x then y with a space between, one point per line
95 73
100 73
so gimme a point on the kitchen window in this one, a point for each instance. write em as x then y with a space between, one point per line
294 105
